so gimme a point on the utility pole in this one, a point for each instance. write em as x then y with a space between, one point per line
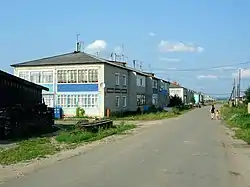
234 91
238 87
239 83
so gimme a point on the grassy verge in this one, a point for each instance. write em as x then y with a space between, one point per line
27 150
154 116
239 118
42 147
76 136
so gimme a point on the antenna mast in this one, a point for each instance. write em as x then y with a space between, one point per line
78 44
122 53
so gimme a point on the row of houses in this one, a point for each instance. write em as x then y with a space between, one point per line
95 84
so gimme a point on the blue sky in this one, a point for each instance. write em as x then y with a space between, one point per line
32 30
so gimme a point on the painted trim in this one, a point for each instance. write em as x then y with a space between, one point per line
77 87
77 93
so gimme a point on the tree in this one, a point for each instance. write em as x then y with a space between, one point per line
247 95
175 101
192 99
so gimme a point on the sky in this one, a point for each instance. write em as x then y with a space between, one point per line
165 36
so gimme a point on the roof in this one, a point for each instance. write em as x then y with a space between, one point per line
22 81
73 59
64 59
79 58
175 86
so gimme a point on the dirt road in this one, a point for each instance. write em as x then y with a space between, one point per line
188 151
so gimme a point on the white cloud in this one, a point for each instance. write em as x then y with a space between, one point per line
96 46
167 46
245 73
169 59
207 77
225 68
151 34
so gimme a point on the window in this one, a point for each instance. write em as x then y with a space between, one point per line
155 85
47 77
117 101
141 100
117 79
141 81
24 75
62 76
62 100
124 101
72 76
83 76
165 85
83 100
48 100
35 76
92 75
124 80
155 99
67 76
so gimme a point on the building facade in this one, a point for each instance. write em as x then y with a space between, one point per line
186 95
94 84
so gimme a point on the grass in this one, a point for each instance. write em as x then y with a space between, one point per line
42 147
27 150
77 136
239 118
153 116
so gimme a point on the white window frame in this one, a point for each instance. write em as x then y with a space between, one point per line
24 75
37 76
124 78
141 80
141 99
47 77
48 99
78 75
124 101
117 79
155 100
117 101
81 100
155 84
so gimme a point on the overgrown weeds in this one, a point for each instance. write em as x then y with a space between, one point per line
67 139
238 117
27 150
155 115
78 136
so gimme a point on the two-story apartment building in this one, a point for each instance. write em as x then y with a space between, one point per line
157 91
185 94
95 84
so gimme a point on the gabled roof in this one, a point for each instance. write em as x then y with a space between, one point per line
21 81
79 58
74 59
176 86
64 59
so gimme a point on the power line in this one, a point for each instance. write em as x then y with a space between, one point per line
204 69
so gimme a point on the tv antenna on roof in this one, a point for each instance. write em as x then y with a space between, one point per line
78 44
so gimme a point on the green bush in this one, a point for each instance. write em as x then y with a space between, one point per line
80 112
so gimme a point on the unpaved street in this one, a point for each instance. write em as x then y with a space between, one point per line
189 151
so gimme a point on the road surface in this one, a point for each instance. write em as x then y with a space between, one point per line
181 152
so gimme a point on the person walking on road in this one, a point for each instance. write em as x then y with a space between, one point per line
212 112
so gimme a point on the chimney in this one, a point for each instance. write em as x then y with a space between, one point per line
78 47
134 63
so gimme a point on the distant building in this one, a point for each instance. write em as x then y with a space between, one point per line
182 92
